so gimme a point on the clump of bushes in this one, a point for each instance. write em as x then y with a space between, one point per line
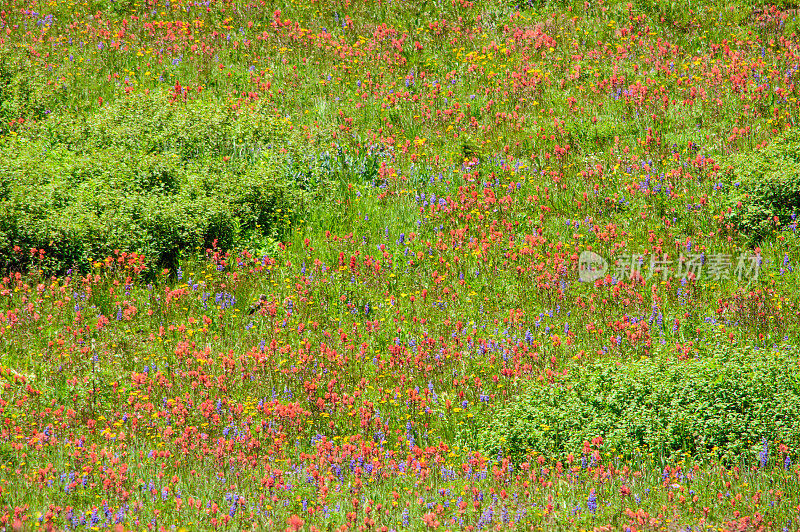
721 403
24 93
145 175
764 187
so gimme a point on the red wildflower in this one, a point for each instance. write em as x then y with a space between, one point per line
295 523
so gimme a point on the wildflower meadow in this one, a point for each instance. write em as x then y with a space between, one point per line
399 265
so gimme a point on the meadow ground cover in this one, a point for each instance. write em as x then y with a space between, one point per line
317 266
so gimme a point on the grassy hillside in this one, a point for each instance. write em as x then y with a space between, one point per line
399 265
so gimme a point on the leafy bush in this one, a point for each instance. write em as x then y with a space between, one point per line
717 403
765 185
24 95
153 123
144 175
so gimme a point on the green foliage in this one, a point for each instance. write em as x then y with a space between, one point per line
23 93
765 184
144 175
721 403
153 123
602 132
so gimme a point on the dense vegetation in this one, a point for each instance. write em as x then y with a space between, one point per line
721 402
323 265
143 176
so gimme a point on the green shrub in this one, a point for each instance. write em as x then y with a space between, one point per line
765 184
151 123
23 92
144 175
717 403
